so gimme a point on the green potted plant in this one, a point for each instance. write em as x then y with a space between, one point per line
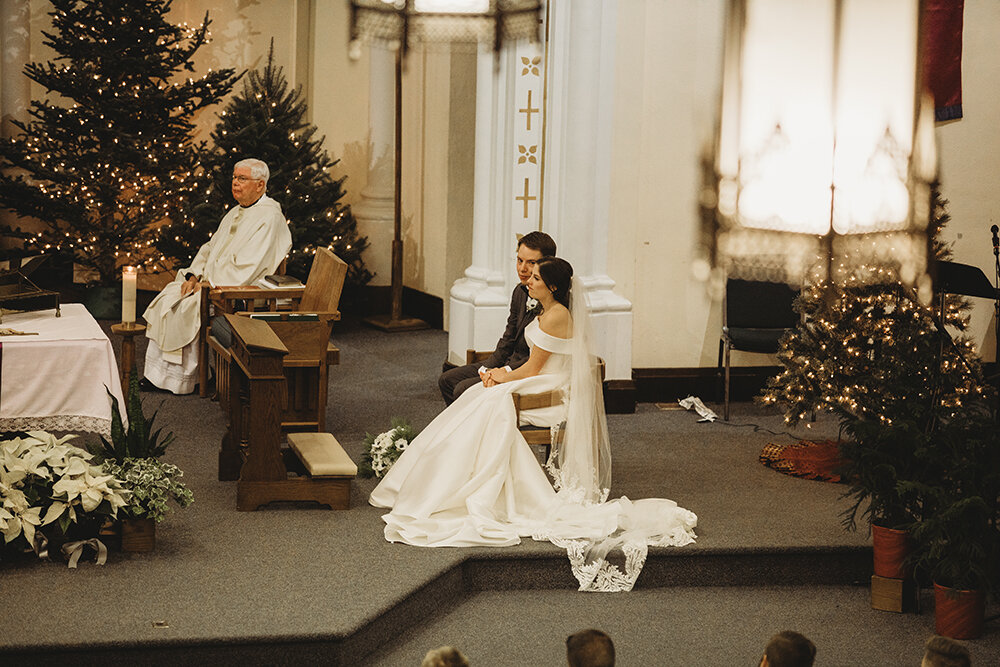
154 484
957 541
139 440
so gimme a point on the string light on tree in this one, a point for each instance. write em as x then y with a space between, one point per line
86 167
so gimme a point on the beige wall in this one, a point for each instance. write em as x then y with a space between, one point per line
970 158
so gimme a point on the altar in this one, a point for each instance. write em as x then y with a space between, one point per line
54 376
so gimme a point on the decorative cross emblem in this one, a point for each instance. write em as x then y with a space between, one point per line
525 198
528 110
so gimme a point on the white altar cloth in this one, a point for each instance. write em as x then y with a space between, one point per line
56 380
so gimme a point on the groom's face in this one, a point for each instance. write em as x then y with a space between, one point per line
526 260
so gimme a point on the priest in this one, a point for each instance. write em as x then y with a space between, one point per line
251 241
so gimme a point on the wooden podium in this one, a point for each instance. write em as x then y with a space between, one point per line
251 450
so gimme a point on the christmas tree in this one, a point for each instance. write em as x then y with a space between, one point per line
869 350
111 156
877 357
267 121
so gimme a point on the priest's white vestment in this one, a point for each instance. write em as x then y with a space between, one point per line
250 243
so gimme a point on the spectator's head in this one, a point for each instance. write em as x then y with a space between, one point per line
944 652
788 649
444 656
249 180
531 248
590 648
557 274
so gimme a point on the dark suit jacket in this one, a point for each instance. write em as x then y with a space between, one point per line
512 350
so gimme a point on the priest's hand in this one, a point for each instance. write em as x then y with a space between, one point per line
189 285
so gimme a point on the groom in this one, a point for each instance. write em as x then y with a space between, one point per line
512 350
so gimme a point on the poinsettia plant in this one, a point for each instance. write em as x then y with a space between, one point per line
47 486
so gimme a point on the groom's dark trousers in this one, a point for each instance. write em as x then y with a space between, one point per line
512 350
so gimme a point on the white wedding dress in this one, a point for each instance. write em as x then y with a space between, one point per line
470 479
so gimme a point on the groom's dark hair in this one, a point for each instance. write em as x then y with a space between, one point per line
539 241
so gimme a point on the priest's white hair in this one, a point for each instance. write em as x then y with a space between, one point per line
258 168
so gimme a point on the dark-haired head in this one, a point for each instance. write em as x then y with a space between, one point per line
539 241
557 274
590 648
789 649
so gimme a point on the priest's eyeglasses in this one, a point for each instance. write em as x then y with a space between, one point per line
243 179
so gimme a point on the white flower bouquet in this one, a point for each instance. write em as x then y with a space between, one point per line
48 487
382 450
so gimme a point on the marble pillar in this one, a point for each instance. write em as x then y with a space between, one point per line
575 210
507 182
15 43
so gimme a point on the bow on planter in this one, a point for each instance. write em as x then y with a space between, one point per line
73 550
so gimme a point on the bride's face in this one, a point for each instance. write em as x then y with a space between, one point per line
537 289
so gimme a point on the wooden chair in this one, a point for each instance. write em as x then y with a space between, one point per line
539 438
477 356
304 330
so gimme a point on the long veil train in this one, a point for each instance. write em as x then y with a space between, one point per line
583 520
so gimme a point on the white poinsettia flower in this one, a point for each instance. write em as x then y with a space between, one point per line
401 444
55 511
71 487
15 500
91 499
76 466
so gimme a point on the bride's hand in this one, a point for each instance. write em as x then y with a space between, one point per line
497 375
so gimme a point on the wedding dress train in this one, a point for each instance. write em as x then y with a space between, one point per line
470 479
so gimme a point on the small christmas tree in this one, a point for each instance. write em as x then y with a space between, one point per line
267 121
872 350
111 156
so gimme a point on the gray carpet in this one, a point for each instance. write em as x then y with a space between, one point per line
295 585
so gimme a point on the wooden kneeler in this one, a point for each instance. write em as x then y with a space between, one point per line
266 471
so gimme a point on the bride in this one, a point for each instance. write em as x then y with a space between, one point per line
470 479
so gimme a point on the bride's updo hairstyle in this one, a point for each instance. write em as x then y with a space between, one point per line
557 274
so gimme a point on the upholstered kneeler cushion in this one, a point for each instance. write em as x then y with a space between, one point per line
322 455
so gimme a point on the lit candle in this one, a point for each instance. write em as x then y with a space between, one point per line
129 276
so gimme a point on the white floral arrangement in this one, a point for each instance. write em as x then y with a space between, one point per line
382 450
47 486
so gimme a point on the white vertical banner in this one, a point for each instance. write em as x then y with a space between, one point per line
526 136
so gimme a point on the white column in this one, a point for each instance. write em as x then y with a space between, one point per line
15 88
506 194
577 162
374 213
